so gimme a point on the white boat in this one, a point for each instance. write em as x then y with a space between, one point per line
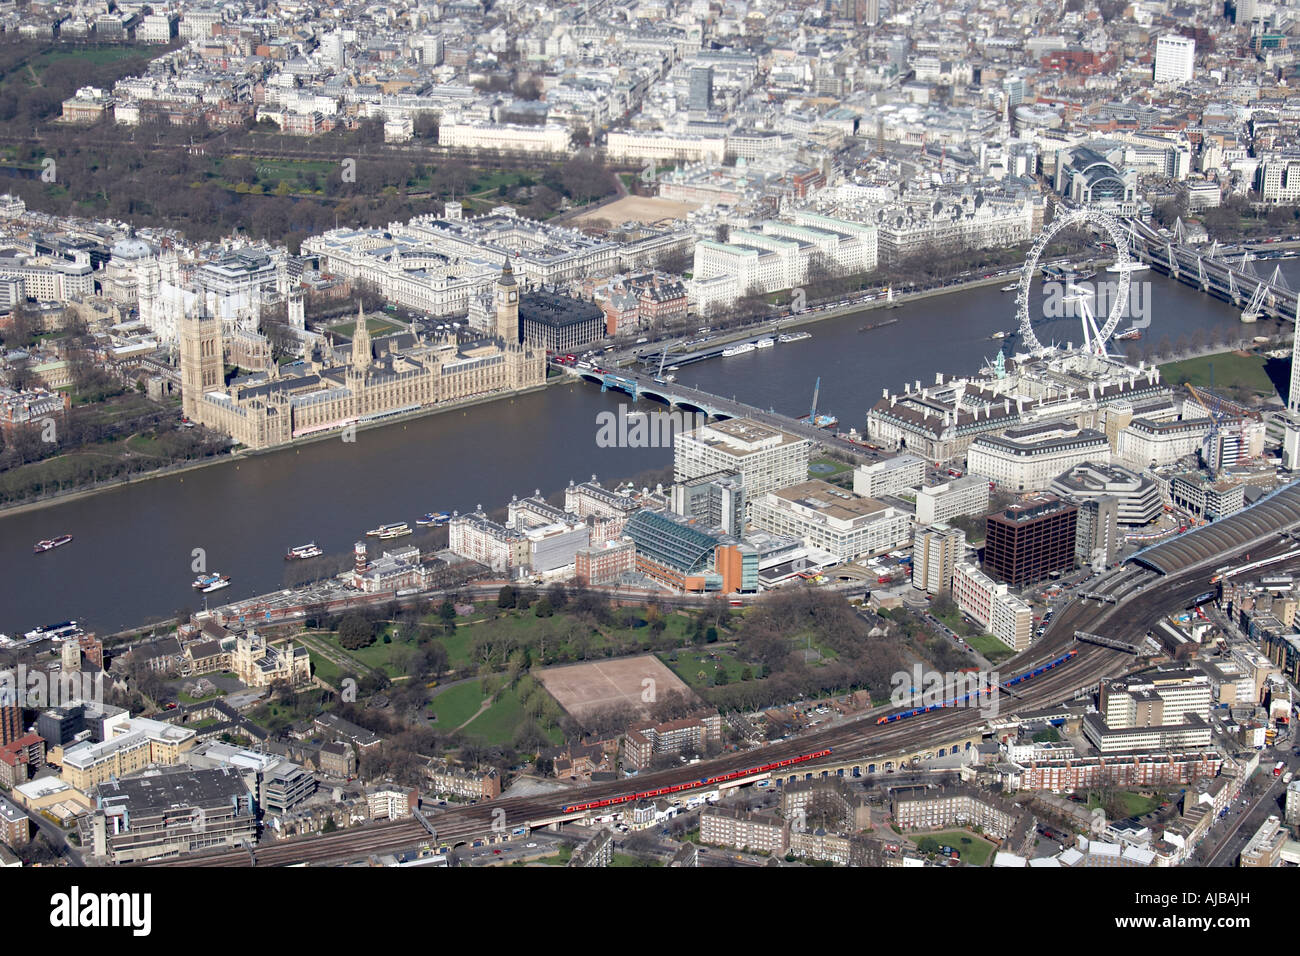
998 335
384 530
739 349
303 551
396 532
1011 288
221 582
793 337
765 343
1130 268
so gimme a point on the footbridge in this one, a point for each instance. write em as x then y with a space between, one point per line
1236 280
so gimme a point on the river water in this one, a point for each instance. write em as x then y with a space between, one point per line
133 553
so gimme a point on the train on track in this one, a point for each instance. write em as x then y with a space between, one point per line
695 784
958 701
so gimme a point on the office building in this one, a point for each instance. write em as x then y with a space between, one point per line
936 551
1028 541
1136 493
765 458
1197 494
701 95
682 554
162 814
559 323
1175 59
1029 457
716 501
831 519
134 745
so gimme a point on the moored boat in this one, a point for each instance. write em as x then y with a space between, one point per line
51 543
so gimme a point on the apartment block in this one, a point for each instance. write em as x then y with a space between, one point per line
889 477
992 606
755 832
936 552
448 779
968 495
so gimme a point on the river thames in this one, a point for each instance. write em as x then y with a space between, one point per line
131 560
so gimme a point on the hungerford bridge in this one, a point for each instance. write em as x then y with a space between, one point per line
1234 280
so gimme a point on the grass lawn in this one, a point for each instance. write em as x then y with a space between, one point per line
376 327
974 850
1135 804
324 668
958 622
827 467
990 647
185 698
692 662
627 859
456 705
1229 368
497 724
378 655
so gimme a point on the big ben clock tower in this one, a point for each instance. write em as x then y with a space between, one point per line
508 306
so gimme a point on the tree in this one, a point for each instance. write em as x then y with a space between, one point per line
356 632
506 597
543 608
447 613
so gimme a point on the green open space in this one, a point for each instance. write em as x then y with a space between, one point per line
497 724
377 328
324 668
700 668
974 850
1225 370
1135 804
990 647
456 705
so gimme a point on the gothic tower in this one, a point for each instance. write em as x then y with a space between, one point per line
362 350
201 360
507 301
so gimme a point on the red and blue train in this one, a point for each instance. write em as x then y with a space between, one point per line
695 784
958 701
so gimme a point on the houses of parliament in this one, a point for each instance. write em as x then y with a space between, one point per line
364 381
